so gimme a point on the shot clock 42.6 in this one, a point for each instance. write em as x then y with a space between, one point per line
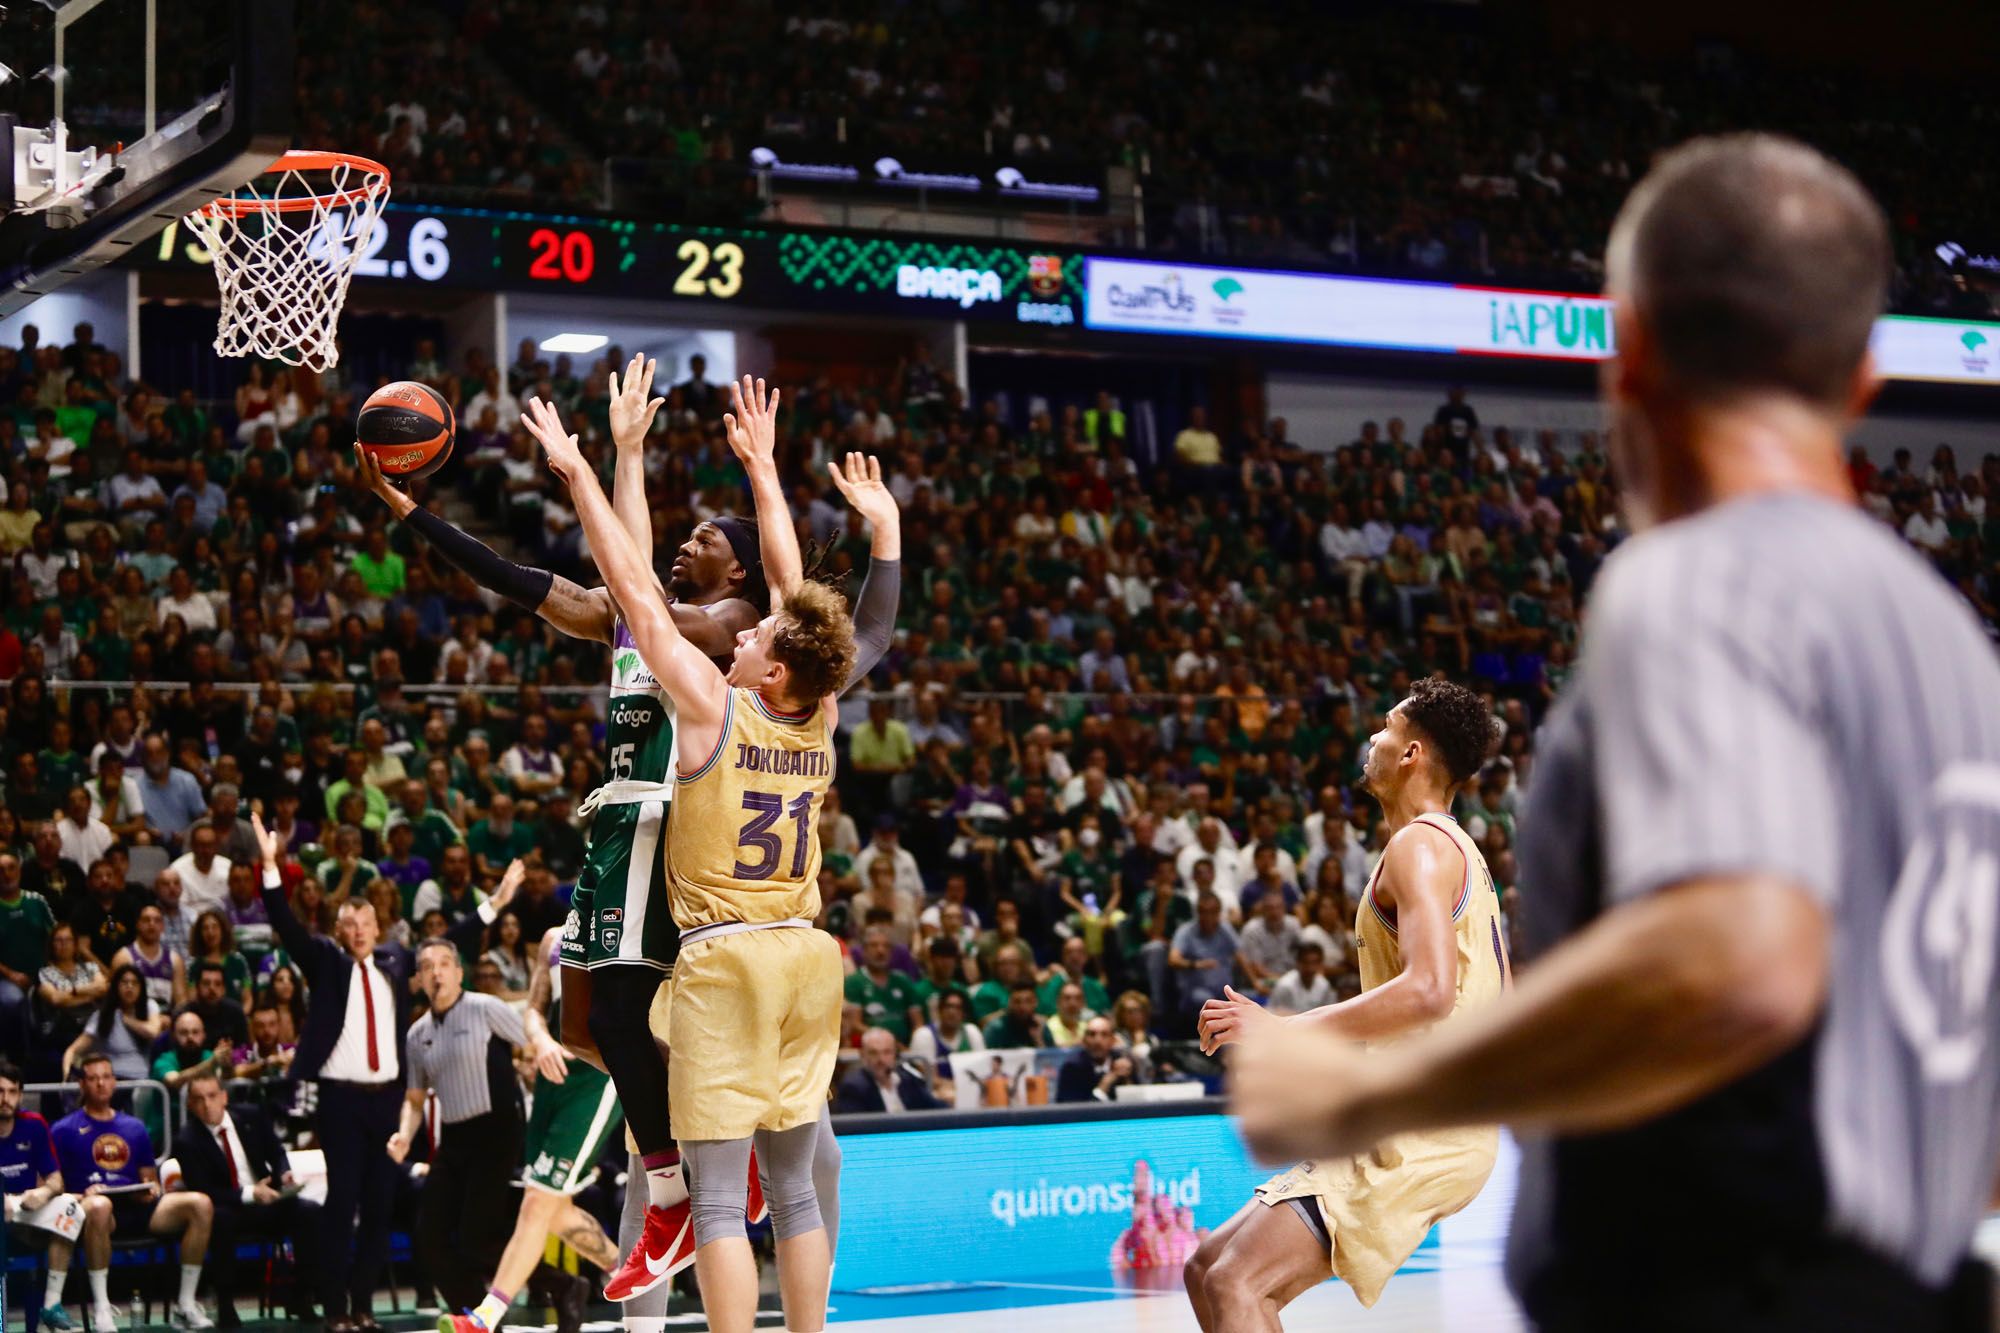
402 247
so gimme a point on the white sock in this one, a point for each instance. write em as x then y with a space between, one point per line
57 1277
100 1288
492 1310
664 1186
190 1275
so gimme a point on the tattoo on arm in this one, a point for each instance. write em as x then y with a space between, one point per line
581 613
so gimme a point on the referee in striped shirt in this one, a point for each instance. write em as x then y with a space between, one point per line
463 1050
1759 1078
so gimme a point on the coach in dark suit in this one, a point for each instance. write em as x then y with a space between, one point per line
1097 1070
230 1153
352 1047
881 1084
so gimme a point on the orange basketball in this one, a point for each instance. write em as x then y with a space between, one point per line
408 427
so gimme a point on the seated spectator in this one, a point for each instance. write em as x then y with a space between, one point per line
1065 1025
163 967
880 890
1132 1026
943 975
49 874
889 1000
26 926
497 840
1010 966
354 779
126 1025
1306 986
204 871
222 1011
1203 957
84 838
192 1053
880 1083
1097 1069
1267 877
106 917
452 894
1020 1023
267 1056
214 946
69 987
1269 943
887 843
98 1146
169 794
947 1034
507 952
1006 932
230 1154
1075 968
347 873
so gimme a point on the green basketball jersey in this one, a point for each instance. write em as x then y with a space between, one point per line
640 732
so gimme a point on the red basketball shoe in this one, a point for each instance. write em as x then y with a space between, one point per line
664 1249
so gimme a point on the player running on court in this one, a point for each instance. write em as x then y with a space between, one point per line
1431 951
756 994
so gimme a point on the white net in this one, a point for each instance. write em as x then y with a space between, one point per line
284 248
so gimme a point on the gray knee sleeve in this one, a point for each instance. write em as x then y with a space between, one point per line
826 1179
718 1176
650 1308
787 1160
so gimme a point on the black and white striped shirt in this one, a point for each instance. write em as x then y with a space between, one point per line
1780 686
465 1055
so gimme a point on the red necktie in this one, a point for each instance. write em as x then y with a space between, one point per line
368 999
229 1156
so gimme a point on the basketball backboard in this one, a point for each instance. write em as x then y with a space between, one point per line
118 117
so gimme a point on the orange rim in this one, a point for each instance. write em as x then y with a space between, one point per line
306 160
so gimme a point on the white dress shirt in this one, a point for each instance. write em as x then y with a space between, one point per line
348 1061
232 1148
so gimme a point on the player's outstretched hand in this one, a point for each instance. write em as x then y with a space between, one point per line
1300 1093
1230 1019
368 476
545 424
631 408
860 482
753 426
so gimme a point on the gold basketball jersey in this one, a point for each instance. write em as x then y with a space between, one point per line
743 835
1482 949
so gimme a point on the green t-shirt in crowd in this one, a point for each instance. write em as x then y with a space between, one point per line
885 1006
25 926
484 841
1095 997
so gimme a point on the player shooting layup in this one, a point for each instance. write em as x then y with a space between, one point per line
1431 950
756 997
624 943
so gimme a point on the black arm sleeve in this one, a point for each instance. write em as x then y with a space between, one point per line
874 617
523 585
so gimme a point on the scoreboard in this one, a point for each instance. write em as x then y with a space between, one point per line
766 268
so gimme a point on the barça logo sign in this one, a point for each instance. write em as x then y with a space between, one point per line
1045 275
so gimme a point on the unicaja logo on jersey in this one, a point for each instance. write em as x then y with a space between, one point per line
630 669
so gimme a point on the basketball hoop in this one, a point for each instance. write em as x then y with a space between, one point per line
284 248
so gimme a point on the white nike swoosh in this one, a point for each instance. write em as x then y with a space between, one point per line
658 1268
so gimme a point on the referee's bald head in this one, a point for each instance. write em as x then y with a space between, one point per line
1751 264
